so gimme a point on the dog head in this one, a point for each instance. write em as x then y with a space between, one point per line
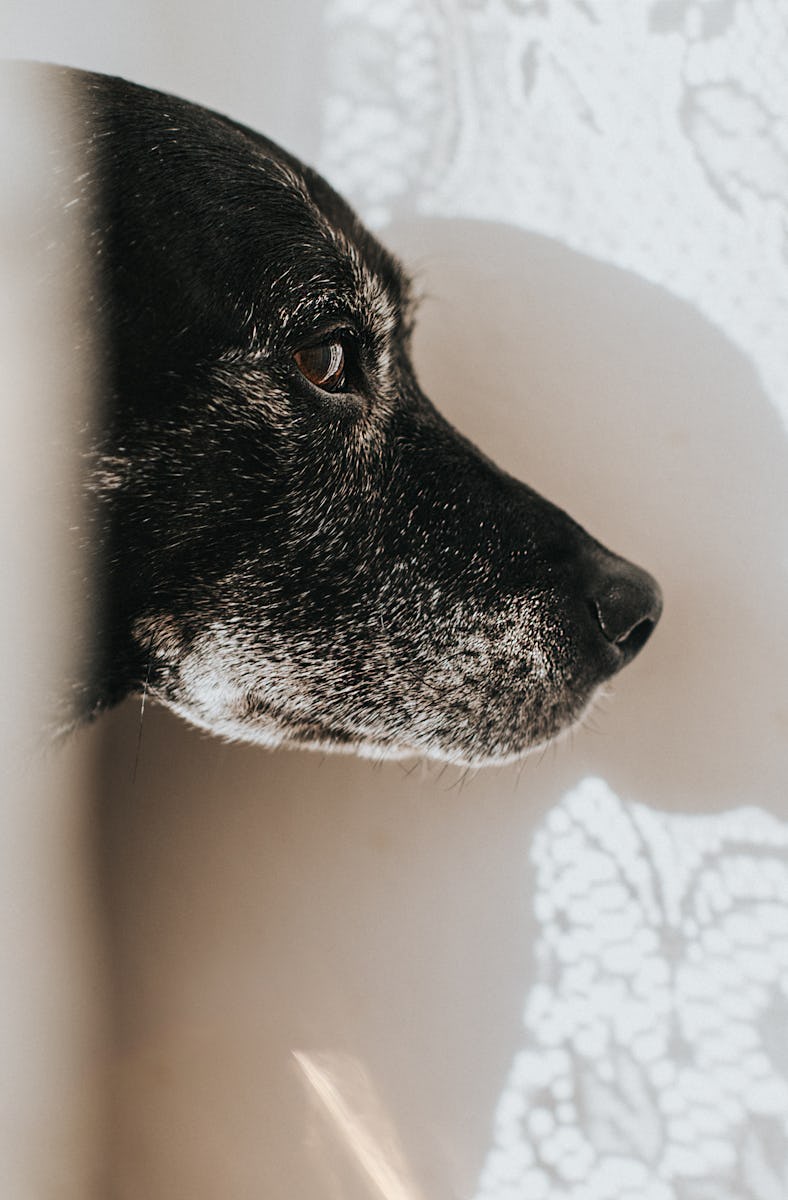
299 548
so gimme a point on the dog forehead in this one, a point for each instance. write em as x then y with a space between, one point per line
381 283
335 283
224 197
328 262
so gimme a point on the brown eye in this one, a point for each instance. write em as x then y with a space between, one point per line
323 365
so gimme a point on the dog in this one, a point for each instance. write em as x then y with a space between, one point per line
294 547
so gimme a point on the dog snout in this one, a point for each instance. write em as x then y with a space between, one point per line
626 604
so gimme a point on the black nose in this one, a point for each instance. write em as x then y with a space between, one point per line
626 603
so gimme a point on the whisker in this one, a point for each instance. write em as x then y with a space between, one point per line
142 715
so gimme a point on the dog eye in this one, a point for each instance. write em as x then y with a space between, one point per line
323 365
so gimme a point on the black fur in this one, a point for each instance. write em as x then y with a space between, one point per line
283 563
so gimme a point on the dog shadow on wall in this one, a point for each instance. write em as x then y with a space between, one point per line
264 903
628 409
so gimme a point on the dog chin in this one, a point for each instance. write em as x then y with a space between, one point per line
380 751
510 749
279 733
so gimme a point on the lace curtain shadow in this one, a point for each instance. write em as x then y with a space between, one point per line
655 1056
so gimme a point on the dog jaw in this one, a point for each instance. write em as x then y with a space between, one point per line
469 692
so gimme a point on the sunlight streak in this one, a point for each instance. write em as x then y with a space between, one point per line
350 1100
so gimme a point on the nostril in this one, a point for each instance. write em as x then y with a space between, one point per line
636 639
622 633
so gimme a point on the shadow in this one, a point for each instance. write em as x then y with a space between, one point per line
625 407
